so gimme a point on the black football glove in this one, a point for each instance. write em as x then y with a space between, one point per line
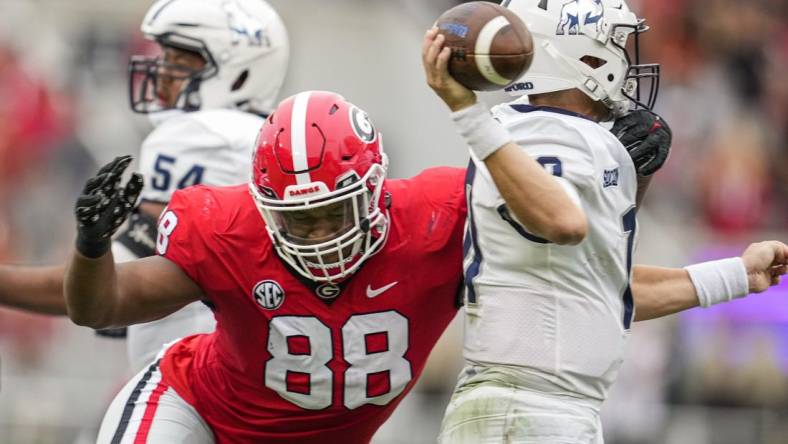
647 138
103 206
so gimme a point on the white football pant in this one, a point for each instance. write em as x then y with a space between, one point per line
149 411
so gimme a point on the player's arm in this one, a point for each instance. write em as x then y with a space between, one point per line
661 291
100 293
38 289
537 200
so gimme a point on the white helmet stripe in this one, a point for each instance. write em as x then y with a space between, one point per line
298 137
483 49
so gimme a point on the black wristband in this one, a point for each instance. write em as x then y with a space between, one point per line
91 248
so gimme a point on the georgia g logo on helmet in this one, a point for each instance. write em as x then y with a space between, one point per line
362 126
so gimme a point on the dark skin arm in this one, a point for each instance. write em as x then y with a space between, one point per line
34 289
643 184
102 294
39 289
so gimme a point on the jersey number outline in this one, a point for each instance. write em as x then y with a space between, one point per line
167 223
554 166
373 346
162 179
629 224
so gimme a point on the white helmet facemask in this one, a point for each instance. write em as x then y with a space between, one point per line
566 32
243 43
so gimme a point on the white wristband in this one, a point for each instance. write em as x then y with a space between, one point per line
481 131
719 281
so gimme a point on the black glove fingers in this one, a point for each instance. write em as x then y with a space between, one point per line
134 188
120 160
650 166
104 206
115 173
646 147
632 138
86 213
646 137
92 184
622 127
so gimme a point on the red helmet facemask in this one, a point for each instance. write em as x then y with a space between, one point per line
317 179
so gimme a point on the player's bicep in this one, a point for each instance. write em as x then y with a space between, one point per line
152 288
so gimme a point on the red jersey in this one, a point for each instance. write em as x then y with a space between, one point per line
291 361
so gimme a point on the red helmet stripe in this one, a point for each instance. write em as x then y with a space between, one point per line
298 137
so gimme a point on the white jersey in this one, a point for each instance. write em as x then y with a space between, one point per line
556 316
212 147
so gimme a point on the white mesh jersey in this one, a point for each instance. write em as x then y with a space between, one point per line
212 147
553 316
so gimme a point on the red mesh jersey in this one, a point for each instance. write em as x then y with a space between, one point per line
286 365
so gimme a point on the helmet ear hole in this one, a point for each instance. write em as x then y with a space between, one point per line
594 62
239 82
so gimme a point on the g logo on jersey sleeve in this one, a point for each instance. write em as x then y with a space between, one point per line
268 294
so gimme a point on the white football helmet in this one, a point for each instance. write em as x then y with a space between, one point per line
565 31
243 42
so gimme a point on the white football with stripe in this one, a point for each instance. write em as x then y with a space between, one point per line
491 46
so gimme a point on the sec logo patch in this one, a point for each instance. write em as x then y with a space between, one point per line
268 294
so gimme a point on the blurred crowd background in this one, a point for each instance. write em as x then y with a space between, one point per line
707 376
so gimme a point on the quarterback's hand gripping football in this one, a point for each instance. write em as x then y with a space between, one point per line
103 206
647 138
435 58
765 263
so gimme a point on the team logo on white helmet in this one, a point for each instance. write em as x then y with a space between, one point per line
577 13
244 26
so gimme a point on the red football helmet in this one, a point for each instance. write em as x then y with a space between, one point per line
317 178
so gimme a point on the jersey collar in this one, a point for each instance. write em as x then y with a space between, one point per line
525 108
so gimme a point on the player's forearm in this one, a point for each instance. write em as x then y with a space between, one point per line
659 292
643 184
35 289
537 200
90 290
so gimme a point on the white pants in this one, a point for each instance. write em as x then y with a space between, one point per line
148 411
494 413
144 341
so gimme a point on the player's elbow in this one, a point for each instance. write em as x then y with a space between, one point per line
569 231
85 318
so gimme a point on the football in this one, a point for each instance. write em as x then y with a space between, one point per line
490 45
